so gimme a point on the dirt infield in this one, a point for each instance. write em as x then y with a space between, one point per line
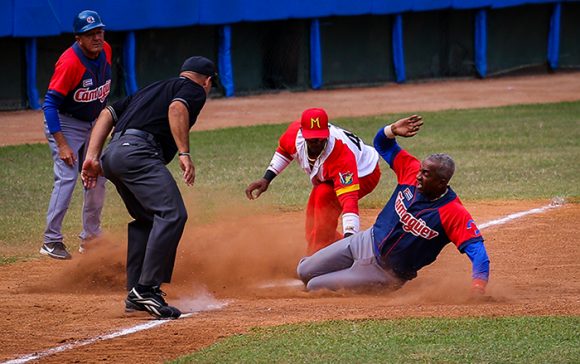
48 304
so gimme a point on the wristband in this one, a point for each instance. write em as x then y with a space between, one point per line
389 131
350 223
269 175
181 154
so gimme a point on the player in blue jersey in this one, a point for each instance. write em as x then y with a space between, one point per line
77 93
422 216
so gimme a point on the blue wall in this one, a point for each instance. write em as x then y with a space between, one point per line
38 18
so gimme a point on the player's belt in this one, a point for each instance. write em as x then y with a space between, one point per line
69 115
136 132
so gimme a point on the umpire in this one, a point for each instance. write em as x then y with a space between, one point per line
150 127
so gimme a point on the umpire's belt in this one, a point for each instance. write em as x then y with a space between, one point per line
140 133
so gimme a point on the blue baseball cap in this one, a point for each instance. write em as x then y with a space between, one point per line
87 20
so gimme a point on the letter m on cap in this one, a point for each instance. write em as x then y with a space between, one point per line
314 121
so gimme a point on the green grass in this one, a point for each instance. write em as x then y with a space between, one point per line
433 340
516 152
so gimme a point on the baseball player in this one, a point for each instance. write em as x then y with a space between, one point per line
421 217
150 128
342 170
77 93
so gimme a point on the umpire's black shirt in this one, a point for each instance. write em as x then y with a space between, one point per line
148 109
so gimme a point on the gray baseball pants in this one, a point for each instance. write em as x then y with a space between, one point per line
77 134
349 263
136 168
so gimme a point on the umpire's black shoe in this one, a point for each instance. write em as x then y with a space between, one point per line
131 307
55 250
150 299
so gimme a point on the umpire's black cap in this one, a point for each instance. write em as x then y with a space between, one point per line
199 65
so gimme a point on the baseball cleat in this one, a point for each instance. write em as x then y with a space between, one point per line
151 301
131 307
55 250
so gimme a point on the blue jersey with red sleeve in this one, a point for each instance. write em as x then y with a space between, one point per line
411 230
79 86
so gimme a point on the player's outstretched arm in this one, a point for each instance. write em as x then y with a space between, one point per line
256 188
480 267
406 127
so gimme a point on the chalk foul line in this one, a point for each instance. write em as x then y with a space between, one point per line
554 204
76 344
151 324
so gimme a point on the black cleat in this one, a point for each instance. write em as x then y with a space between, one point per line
55 250
151 300
131 307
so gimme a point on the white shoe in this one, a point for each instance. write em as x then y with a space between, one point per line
83 246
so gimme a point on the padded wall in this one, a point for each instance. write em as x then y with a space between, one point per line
517 38
570 36
356 50
13 71
270 56
439 44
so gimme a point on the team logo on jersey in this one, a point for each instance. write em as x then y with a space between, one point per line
471 225
90 19
407 193
88 82
86 94
411 224
346 178
314 121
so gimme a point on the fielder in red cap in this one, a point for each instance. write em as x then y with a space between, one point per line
342 170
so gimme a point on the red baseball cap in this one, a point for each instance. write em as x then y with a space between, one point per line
314 124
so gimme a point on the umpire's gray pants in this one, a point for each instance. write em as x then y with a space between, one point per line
77 133
349 263
136 168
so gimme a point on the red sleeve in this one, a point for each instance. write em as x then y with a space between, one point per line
68 72
341 168
458 224
287 142
406 168
349 202
108 53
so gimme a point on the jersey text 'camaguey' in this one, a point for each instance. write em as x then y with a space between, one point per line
83 84
411 230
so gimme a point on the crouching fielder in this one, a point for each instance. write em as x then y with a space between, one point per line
422 216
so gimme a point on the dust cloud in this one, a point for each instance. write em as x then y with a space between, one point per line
232 248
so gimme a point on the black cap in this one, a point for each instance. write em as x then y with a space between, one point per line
199 65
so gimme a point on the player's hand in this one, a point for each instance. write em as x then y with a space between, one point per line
66 154
256 188
188 169
90 172
478 287
407 127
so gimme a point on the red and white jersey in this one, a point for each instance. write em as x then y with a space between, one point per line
344 159
365 155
